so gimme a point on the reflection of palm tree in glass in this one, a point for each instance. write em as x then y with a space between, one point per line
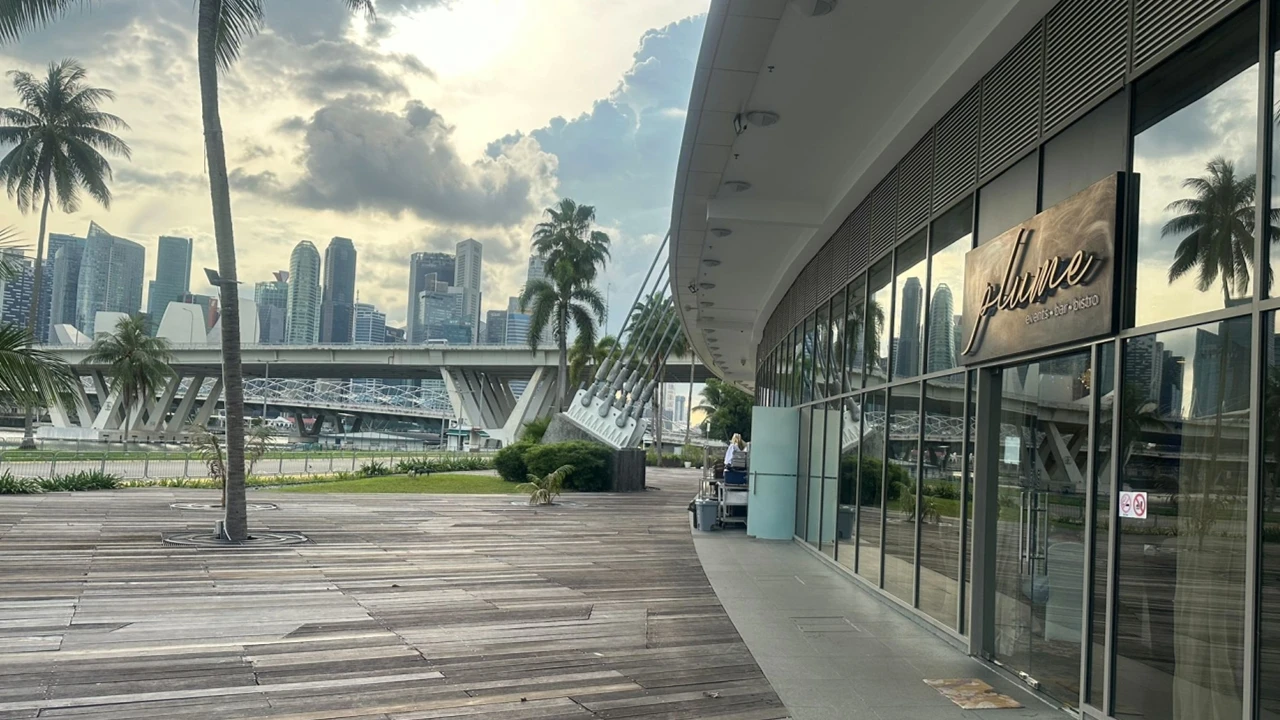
874 327
1217 223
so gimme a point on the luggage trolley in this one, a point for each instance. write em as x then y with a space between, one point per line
732 494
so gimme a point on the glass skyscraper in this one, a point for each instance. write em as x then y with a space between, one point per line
339 291
272 299
426 269
302 315
110 278
173 276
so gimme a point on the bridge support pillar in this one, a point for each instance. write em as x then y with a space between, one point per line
488 403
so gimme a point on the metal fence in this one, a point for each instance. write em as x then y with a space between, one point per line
175 465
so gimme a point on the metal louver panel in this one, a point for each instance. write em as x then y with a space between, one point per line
1085 51
860 240
884 228
827 272
915 186
956 150
1158 23
1011 103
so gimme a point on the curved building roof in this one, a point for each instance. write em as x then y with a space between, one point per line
852 90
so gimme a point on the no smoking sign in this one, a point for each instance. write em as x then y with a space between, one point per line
1133 505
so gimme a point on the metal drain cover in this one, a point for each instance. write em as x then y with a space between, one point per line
524 503
258 540
212 506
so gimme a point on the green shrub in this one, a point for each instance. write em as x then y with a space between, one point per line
872 478
692 454
10 485
78 481
946 491
535 429
511 464
591 463
428 464
374 468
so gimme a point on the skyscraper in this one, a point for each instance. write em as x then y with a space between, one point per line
110 280
59 287
272 299
442 316
339 292
15 292
368 326
302 313
942 330
537 268
495 327
908 350
421 265
517 324
467 275
173 276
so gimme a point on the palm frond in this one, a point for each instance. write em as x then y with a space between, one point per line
20 16
29 375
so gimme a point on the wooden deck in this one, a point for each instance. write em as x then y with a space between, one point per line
401 608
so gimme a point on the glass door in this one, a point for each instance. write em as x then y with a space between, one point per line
1043 476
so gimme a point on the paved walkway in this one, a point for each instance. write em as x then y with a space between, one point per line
833 650
403 607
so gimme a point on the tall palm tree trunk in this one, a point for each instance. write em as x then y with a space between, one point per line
562 369
236 521
33 312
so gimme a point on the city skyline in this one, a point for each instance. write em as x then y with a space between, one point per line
403 159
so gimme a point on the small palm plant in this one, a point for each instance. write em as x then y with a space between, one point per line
545 490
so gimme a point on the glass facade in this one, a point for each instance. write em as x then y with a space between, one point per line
1172 611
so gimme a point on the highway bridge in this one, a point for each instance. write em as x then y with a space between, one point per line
494 388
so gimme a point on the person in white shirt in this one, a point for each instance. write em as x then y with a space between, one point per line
736 447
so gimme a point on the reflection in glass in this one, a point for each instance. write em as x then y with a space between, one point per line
855 334
1043 465
939 514
805 359
830 477
875 328
1269 485
901 475
1104 388
952 238
795 363
821 351
971 427
813 496
909 310
1194 160
835 373
847 506
1184 406
802 471
871 485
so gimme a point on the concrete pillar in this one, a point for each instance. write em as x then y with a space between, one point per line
185 405
206 410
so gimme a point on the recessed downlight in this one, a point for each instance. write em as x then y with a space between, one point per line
738 185
721 232
707 303
711 262
707 286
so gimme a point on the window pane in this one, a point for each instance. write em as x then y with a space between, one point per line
830 478
971 428
821 351
794 363
1269 602
952 238
871 485
901 475
802 471
1008 200
855 334
1091 149
875 325
1195 128
940 507
1105 380
847 509
813 496
835 373
1180 571
806 359
910 307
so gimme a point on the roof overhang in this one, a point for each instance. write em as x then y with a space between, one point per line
853 90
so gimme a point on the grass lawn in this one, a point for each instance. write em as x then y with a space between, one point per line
440 484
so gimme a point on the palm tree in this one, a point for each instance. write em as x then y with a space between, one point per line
138 365
1217 223
574 254
728 410
57 138
221 27
584 360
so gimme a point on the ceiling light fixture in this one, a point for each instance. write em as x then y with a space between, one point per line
721 232
711 262
707 286
707 303
738 185
762 118
816 8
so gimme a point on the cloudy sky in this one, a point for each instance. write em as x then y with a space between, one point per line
441 120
